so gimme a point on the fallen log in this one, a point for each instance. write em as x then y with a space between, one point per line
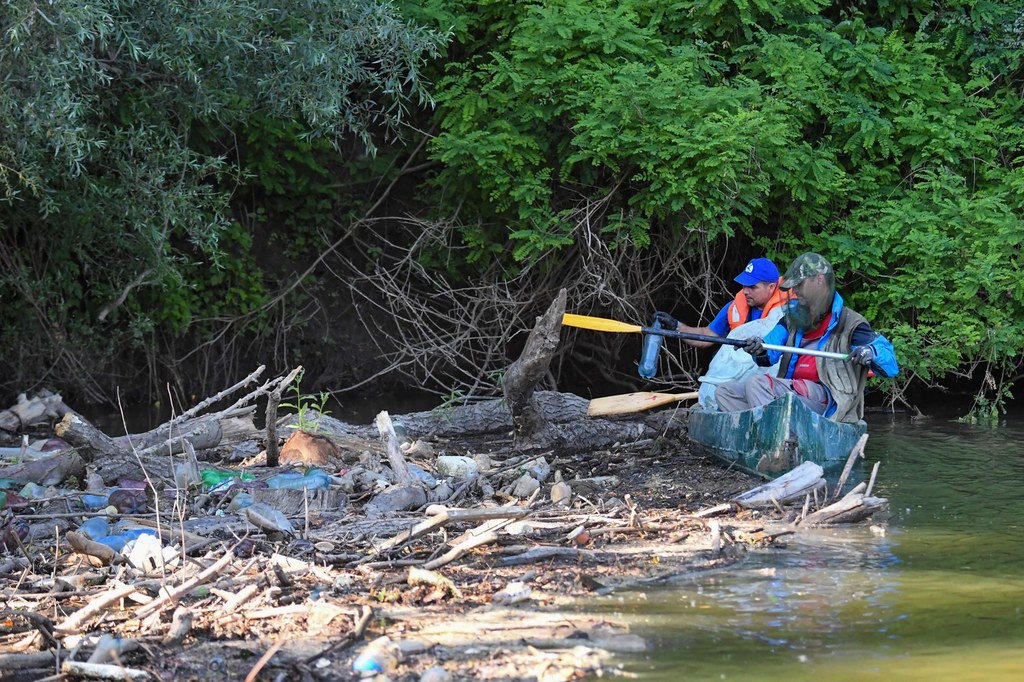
795 484
46 407
52 470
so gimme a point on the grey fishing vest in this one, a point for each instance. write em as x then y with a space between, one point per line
845 380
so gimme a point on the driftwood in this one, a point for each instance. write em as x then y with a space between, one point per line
52 470
524 374
569 427
136 456
795 484
855 452
273 401
855 506
394 452
92 443
46 407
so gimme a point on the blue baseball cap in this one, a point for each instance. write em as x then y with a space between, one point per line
758 270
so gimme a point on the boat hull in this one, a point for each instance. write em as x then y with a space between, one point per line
772 439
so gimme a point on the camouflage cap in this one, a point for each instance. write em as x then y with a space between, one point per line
807 265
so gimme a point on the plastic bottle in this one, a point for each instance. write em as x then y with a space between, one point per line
379 657
119 540
313 479
97 527
649 357
95 502
222 480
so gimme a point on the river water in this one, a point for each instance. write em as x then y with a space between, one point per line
934 593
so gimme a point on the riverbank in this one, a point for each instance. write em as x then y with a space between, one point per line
487 576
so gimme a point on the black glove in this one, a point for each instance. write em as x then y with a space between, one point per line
666 321
862 355
755 346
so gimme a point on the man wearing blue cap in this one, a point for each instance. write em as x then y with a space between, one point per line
759 295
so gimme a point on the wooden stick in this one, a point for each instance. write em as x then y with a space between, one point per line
451 516
857 449
188 414
420 576
871 481
460 549
394 452
186 587
243 595
541 553
103 671
83 545
95 605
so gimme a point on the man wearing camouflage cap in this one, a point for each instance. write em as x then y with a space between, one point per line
817 319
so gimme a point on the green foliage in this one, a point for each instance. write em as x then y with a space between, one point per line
120 123
446 410
292 171
887 135
235 287
309 409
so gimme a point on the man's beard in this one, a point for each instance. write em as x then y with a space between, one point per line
800 316
807 313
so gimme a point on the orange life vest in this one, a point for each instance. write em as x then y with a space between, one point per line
739 309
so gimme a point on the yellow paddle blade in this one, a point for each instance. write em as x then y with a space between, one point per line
600 324
634 402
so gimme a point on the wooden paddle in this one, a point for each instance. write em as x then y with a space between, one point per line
605 325
634 402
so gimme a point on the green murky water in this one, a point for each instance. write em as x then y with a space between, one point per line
938 596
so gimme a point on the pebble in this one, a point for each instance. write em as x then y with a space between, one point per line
435 674
525 486
561 493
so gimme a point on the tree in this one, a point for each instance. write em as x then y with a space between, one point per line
117 160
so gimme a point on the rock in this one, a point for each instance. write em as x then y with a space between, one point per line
561 493
456 466
513 593
371 480
539 469
441 492
435 674
525 486
396 498
483 461
267 519
420 474
418 448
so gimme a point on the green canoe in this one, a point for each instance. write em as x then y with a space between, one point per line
772 439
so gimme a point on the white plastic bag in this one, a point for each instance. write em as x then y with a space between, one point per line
731 363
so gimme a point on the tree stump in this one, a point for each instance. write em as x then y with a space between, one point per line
524 374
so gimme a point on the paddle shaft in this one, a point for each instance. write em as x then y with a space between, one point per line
740 343
602 324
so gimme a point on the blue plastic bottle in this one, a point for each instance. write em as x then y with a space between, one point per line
649 357
314 479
